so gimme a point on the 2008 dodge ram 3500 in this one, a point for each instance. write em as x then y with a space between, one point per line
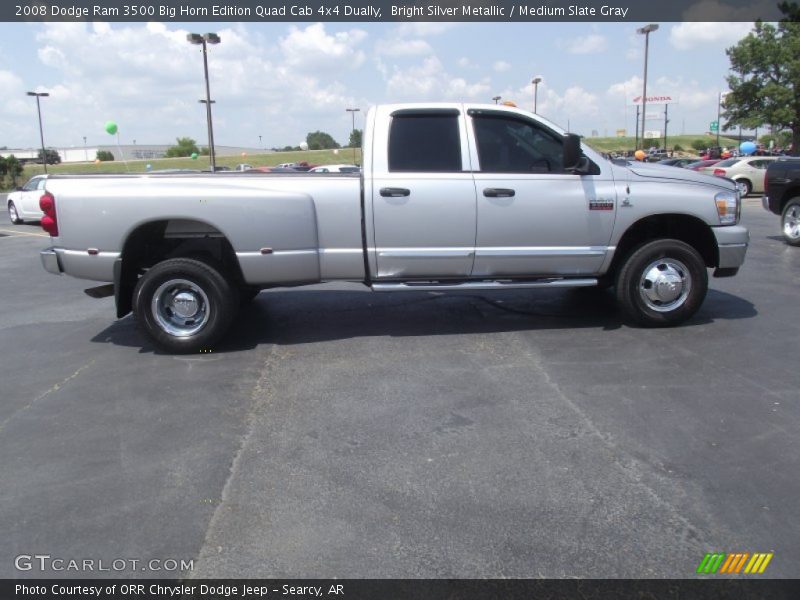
452 197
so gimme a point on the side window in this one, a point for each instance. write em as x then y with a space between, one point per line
425 143
31 185
508 145
42 183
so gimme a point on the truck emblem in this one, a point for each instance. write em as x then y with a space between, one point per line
601 204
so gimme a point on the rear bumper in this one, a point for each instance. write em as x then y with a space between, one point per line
50 261
732 243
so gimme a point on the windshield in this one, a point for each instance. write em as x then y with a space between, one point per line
728 163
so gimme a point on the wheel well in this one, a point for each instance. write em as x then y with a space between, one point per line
153 242
790 193
686 228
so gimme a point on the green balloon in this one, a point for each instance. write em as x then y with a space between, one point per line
194 155
111 127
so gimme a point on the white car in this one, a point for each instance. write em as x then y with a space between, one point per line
336 169
242 167
23 204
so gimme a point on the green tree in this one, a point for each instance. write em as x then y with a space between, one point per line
185 146
319 140
13 169
104 155
699 145
355 139
765 77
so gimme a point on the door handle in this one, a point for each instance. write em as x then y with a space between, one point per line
498 193
394 192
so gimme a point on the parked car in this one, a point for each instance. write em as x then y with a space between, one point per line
677 162
782 196
23 204
336 169
747 171
277 169
242 167
452 197
701 164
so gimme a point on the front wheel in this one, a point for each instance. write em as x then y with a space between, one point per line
184 305
662 283
13 215
790 222
744 187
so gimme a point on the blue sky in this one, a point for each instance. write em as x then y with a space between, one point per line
282 80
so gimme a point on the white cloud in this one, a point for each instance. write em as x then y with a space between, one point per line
313 48
430 81
465 63
396 47
697 35
593 43
501 66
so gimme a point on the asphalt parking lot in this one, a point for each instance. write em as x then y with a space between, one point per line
348 434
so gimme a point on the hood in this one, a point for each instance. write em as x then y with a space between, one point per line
678 174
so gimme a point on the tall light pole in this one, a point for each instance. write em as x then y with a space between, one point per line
536 81
353 112
85 151
719 115
646 31
41 130
204 40
496 99
259 142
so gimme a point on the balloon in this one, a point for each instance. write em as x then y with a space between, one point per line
510 103
303 146
194 155
244 154
639 154
148 166
336 151
747 147
97 161
111 127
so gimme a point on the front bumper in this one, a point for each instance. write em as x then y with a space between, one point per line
732 243
50 261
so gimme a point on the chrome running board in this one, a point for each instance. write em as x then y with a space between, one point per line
507 284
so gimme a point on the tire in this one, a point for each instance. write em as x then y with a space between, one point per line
745 187
207 304
790 222
13 215
662 283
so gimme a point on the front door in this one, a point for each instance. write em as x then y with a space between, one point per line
423 197
535 218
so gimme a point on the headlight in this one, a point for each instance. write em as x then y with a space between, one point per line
729 207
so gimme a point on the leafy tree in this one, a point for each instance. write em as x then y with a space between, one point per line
204 151
13 169
677 148
699 145
781 138
765 79
355 138
104 155
185 146
53 158
319 140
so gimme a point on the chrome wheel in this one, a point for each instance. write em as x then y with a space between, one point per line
665 284
744 187
791 222
180 307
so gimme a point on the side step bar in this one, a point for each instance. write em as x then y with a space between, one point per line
508 284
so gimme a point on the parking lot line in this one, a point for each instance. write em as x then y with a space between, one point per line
12 233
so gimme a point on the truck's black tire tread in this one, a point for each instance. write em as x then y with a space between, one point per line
628 276
223 299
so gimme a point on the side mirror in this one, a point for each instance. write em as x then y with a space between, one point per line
572 152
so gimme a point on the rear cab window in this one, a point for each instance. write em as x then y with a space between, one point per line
425 143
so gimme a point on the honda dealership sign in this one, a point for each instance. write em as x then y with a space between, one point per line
653 99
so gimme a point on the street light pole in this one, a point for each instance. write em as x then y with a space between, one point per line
536 81
41 130
496 99
204 40
353 112
85 151
646 31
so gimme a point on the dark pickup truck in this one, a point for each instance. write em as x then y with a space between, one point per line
782 196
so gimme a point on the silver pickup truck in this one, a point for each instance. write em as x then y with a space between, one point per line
452 197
